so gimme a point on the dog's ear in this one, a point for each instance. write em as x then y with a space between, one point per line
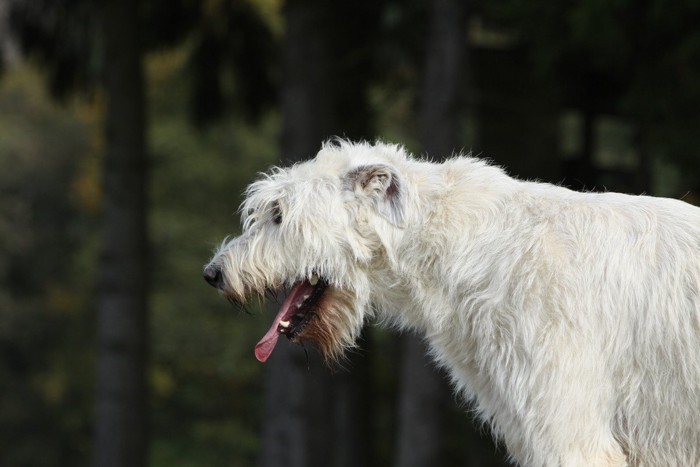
382 184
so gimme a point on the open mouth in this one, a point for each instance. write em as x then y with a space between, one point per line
297 311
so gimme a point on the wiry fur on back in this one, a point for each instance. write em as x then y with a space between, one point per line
571 319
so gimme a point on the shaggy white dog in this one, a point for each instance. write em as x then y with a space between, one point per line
571 319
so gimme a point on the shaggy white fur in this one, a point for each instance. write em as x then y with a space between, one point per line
571 319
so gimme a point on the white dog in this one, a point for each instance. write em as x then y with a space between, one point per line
571 319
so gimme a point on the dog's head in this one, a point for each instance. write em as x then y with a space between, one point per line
316 228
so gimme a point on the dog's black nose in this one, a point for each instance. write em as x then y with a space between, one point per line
212 274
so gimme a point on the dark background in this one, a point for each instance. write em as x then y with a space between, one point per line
128 130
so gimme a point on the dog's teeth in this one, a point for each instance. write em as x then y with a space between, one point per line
284 324
298 305
307 296
314 279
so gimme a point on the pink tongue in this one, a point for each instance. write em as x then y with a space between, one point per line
267 344
264 348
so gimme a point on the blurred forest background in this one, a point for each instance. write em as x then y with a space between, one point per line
128 130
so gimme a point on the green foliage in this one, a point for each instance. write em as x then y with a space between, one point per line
46 367
637 61
63 36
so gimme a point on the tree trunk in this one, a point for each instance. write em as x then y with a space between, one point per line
423 391
122 396
283 426
421 408
444 82
353 402
315 418
297 392
306 99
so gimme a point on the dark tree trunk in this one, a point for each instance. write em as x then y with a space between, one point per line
306 97
283 425
423 390
315 418
444 83
353 402
297 393
421 408
122 396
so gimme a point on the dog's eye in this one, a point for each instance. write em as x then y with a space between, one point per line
276 214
